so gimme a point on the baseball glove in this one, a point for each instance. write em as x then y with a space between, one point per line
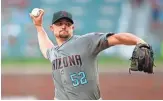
142 58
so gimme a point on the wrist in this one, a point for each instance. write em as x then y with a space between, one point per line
39 28
141 41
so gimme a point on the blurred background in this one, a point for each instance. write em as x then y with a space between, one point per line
20 54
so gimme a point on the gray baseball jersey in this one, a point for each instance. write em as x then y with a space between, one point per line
74 66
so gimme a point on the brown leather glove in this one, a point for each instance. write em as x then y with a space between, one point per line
142 58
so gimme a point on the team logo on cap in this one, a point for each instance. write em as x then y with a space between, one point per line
63 13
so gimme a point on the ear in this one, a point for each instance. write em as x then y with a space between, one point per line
51 27
73 27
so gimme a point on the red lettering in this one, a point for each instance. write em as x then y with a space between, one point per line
71 60
78 60
65 62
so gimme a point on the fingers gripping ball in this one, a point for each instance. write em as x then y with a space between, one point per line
35 12
142 58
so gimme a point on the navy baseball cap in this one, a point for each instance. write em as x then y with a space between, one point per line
60 15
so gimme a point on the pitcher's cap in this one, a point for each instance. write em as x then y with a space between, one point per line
62 14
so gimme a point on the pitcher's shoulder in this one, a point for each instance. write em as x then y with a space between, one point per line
77 36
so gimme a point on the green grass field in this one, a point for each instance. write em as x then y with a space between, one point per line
102 61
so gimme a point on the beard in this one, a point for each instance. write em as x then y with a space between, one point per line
64 34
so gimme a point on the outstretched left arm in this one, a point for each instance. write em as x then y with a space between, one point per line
124 39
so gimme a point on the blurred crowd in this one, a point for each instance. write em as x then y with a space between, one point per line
17 29
156 11
18 32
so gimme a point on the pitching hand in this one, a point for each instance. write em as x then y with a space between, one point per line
38 20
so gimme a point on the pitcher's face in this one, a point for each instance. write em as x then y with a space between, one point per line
63 28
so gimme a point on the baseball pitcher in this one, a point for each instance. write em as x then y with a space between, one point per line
74 65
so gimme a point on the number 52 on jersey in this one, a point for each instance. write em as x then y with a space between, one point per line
78 79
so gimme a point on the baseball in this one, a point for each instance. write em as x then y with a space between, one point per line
35 12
